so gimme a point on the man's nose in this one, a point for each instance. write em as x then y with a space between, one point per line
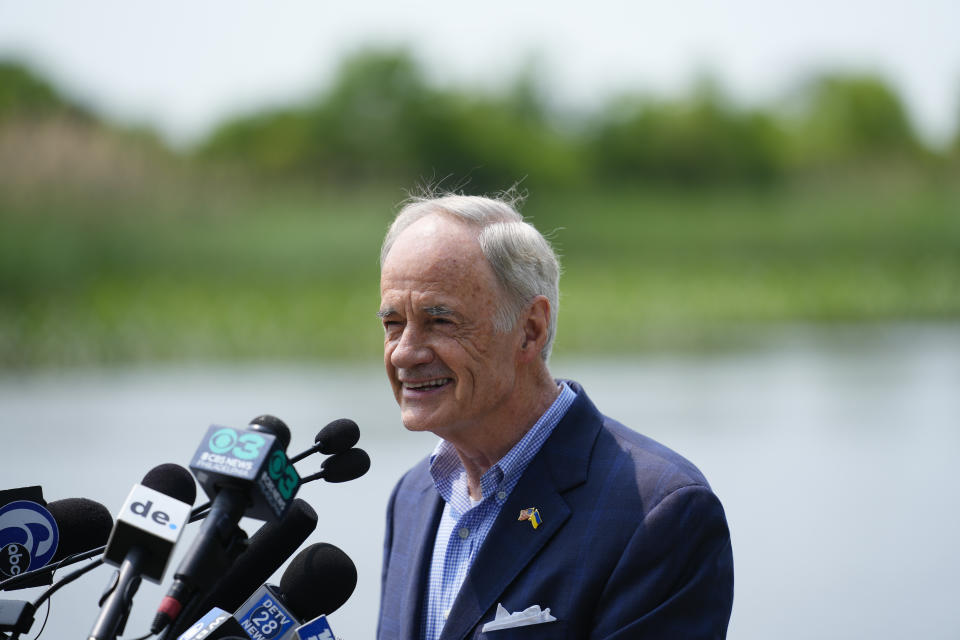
411 350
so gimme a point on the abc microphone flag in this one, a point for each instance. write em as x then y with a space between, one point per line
29 535
35 534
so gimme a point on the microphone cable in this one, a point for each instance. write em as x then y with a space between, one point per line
64 581
52 568
59 584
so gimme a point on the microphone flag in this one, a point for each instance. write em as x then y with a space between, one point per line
216 624
151 520
29 535
264 616
249 456
316 629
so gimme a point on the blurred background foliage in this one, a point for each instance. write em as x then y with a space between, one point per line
685 222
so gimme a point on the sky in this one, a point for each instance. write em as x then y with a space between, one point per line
182 67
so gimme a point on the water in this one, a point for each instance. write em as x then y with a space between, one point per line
832 451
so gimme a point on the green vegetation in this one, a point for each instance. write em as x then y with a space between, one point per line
680 223
296 276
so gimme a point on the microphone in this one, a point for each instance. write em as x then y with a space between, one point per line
317 582
84 525
342 467
245 473
36 536
148 526
269 547
272 425
336 437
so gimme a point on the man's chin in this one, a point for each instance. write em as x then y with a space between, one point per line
413 422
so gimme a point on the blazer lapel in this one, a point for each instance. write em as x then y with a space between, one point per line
421 516
511 546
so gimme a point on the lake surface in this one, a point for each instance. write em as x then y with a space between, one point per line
833 451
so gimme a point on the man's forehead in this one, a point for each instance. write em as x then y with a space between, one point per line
435 269
438 264
437 234
428 298
434 265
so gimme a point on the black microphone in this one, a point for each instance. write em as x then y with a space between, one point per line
269 547
336 437
244 473
79 525
84 524
317 582
342 467
274 426
148 526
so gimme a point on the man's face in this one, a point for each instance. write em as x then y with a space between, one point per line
449 369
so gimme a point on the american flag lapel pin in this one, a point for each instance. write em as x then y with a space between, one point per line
532 515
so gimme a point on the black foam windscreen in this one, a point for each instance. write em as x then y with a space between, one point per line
172 480
274 426
338 436
83 524
318 581
349 465
268 549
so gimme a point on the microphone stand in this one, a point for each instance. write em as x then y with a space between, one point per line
219 543
118 598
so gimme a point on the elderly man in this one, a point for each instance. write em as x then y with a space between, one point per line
532 498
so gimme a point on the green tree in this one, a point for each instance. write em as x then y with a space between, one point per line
700 139
24 93
381 121
357 132
847 118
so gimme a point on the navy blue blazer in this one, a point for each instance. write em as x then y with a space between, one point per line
633 544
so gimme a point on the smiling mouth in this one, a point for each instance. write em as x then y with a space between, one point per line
427 385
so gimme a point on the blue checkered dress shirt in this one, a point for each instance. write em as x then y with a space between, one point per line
464 524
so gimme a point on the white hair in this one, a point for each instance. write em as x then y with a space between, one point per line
523 261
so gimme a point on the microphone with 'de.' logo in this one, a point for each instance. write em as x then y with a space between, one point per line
148 526
151 520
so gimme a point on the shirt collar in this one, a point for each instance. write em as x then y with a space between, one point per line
449 475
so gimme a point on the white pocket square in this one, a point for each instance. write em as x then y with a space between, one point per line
506 620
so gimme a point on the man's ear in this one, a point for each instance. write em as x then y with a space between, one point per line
535 323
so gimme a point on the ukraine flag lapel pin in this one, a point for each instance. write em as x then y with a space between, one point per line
532 515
